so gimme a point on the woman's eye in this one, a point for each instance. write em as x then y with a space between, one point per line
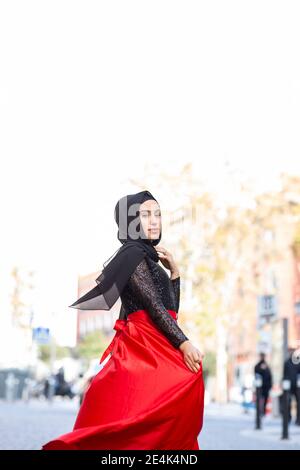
146 215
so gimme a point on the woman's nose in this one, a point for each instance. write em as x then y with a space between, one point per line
154 222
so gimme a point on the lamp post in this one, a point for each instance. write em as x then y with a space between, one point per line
298 400
258 386
286 386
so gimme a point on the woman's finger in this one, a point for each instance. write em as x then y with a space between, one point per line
196 360
195 355
163 250
188 363
200 355
192 365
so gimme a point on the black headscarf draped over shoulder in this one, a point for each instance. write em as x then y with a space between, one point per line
135 246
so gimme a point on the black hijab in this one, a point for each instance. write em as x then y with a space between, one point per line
135 246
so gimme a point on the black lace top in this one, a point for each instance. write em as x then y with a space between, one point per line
150 288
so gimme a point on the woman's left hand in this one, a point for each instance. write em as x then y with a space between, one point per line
168 261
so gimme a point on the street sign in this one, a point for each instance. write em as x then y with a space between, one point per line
267 308
41 335
264 343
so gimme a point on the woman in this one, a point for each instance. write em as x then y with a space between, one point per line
149 393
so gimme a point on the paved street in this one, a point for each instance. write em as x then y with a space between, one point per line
228 428
28 426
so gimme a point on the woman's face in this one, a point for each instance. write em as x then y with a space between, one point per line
150 217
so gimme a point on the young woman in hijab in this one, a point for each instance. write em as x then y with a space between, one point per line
149 393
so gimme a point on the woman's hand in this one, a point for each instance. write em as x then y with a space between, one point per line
168 261
191 355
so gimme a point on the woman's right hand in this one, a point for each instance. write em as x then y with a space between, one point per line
191 355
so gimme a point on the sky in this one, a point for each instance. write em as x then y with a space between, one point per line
91 91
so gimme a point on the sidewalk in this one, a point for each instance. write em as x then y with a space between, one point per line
228 427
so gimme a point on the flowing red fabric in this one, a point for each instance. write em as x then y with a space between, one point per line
144 397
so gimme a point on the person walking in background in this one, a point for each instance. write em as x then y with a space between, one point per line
291 370
264 371
150 392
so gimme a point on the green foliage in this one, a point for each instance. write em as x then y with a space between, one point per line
92 345
209 364
44 352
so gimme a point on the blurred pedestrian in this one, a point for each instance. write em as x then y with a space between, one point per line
264 371
291 369
46 388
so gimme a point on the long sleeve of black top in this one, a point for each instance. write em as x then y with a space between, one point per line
142 284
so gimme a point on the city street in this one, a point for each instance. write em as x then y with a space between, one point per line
29 425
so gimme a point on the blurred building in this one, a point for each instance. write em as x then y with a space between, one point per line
296 296
17 350
277 275
94 320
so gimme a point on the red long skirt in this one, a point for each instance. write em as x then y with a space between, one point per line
144 397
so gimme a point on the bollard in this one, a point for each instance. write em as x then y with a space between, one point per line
286 386
51 389
258 385
11 387
298 400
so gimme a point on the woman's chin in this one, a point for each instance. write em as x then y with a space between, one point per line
153 235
